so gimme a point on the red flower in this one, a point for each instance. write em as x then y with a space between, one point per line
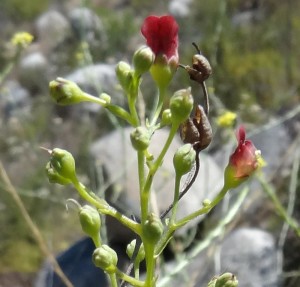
161 34
244 159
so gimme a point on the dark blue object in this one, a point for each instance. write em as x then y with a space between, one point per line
76 263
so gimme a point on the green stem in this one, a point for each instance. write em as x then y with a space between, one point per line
150 263
279 208
92 99
8 68
121 113
129 279
133 112
132 97
185 220
176 199
136 267
161 97
152 170
105 208
113 280
141 169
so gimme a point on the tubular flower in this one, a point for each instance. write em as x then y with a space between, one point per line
243 162
244 159
161 34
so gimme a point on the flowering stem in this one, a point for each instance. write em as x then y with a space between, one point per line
279 208
105 208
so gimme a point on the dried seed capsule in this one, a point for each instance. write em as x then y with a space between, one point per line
197 130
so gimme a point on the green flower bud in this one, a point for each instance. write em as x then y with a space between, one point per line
184 159
166 117
105 258
181 105
143 58
130 250
65 92
106 98
54 177
63 163
153 228
124 75
90 222
140 138
226 280
206 202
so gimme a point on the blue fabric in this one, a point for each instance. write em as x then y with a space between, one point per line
76 262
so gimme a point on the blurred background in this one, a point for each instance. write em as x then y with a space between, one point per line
252 46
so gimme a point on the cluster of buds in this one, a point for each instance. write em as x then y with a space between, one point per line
160 58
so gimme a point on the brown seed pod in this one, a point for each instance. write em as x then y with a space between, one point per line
202 65
197 131
201 68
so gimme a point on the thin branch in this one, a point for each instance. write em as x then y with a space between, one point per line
9 188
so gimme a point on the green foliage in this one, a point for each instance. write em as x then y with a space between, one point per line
24 10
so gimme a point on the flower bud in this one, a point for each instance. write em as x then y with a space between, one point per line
206 202
63 163
105 258
90 222
243 162
54 177
130 250
153 228
106 98
184 159
166 117
65 92
143 58
124 75
226 280
181 105
140 138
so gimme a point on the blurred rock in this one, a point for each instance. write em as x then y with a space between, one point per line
180 8
248 253
115 154
252 256
33 72
52 29
246 18
272 153
87 26
14 100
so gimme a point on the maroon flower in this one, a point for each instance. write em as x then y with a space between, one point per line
161 34
244 159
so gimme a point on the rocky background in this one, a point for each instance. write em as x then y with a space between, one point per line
253 48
